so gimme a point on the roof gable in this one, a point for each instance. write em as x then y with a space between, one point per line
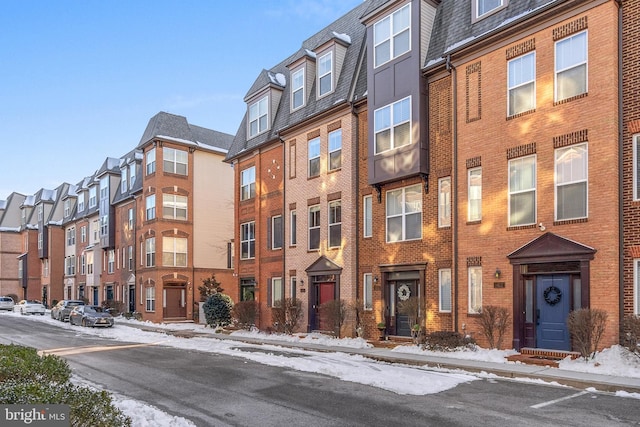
323 265
550 247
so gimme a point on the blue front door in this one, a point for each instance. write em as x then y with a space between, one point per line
552 304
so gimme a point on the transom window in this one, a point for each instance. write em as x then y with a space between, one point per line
404 214
335 149
325 74
391 36
258 116
571 182
297 89
571 66
392 125
314 157
248 183
522 191
174 252
174 161
335 224
174 206
522 84
248 240
314 227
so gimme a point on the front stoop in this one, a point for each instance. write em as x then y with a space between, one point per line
542 357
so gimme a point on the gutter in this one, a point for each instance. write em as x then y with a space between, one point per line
454 200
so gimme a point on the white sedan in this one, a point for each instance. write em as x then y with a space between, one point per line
29 307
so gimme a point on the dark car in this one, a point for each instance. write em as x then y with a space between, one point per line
62 309
90 315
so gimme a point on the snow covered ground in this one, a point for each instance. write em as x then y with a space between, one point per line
393 377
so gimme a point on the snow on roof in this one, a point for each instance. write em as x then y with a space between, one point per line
341 36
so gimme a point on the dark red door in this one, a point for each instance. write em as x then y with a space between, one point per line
325 293
174 303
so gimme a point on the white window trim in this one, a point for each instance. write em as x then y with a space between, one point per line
330 224
440 294
301 88
470 309
309 158
364 216
293 224
249 240
509 88
257 118
556 71
392 34
276 282
247 184
556 185
393 125
476 16
403 215
441 206
367 292
329 73
636 163
534 189
316 208
469 199
273 232
330 152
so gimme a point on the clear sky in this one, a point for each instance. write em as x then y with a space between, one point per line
80 79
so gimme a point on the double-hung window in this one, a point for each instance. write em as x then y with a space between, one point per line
276 232
277 291
150 294
314 157
111 261
571 182
150 251
392 125
81 202
175 161
151 161
93 198
71 236
444 202
484 7
132 174
174 206
475 194
404 214
67 208
475 290
522 84
124 179
571 66
258 116
444 284
248 183
391 36
174 252
151 207
325 74
297 89
248 240
335 149
335 224
522 191
314 227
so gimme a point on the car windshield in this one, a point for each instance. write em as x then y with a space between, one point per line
74 303
93 310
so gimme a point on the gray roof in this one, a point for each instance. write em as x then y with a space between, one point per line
177 128
453 26
348 88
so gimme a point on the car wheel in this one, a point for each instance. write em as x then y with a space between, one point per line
84 323
42 314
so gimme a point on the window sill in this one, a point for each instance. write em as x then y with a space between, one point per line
478 221
573 98
521 227
524 113
571 221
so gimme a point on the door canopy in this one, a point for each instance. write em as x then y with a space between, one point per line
549 248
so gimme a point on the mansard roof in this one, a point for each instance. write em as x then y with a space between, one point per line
454 27
174 127
346 31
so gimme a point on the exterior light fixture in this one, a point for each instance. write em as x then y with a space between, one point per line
498 273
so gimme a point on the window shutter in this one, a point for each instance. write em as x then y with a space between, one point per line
269 231
269 291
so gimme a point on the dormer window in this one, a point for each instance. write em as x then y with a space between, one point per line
124 179
391 36
481 8
325 74
67 208
80 202
258 116
132 174
297 89
93 200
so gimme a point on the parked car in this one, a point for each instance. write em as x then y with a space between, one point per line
61 310
29 307
90 315
6 303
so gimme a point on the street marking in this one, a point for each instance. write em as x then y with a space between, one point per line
551 402
65 351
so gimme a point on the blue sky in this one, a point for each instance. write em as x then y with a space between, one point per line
79 80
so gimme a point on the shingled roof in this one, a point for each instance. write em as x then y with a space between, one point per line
347 30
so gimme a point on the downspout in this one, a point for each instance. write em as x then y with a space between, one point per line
454 185
356 134
620 173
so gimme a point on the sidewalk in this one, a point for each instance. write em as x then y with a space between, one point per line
575 379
